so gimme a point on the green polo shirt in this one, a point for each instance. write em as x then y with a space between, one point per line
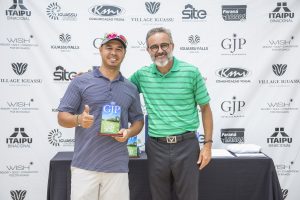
171 99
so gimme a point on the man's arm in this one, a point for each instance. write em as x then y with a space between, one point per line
69 120
207 120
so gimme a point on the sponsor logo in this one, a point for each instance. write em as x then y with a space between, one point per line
18 11
233 108
286 169
19 107
280 107
152 7
54 13
234 12
20 43
281 44
232 75
194 46
139 45
232 135
234 45
106 13
18 194
62 75
281 13
18 170
65 39
55 138
192 14
19 139
279 138
285 193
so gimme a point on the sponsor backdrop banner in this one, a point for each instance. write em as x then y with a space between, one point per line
246 51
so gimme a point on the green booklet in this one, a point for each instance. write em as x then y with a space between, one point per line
111 120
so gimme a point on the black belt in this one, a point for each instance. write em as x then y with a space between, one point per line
172 139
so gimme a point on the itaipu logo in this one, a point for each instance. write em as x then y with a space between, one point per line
19 68
18 194
281 13
152 7
18 11
276 141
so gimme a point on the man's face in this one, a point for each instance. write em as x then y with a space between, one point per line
112 53
160 49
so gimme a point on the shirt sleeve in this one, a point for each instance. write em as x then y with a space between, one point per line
201 94
135 111
134 78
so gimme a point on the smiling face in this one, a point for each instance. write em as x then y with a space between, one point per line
160 49
112 54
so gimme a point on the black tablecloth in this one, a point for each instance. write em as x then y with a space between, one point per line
237 178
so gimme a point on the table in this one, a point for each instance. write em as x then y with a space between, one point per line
236 178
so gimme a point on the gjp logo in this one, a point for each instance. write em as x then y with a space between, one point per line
18 194
19 68
279 69
194 39
152 7
65 38
233 44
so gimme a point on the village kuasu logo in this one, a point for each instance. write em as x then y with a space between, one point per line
18 194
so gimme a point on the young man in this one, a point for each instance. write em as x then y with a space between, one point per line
100 163
172 89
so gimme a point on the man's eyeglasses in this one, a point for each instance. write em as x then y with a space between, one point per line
164 46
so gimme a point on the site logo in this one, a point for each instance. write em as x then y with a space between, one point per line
190 14
281 13
281 44
232 75
54 12
232 135
65 39
62 75
279 70
19 139
19 107
234 12
152 7
18 170
281 107
106 13
194 46
18 194
233 108
234 46
17 11
56 139
279 138
19 43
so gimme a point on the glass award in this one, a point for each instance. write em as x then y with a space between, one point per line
132 147
111 120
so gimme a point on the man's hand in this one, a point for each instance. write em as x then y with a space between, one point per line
204 156
85 119
124 137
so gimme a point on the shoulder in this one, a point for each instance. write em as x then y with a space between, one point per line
82 78
130 85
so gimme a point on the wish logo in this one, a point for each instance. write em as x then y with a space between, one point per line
232 135
20 43
18 11
19 68
54 12
19 107
106 13
55 138
139 45
281 13
279 138
234 12
234 45
191 14
18 194
152 7
65 39
233 108
62 75
281 45
194 46
280 107
19 170
19 139
232 75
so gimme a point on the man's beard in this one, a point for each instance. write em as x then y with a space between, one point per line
162 63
